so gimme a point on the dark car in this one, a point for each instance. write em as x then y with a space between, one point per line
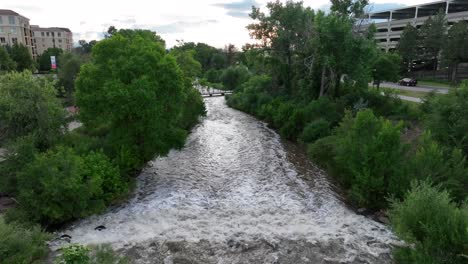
408 82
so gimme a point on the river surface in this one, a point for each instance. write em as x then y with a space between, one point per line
236 194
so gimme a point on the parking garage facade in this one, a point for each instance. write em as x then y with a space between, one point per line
391 23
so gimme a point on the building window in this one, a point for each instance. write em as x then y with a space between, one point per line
59 34
60 41
12 20
42 34
14 40
47 33
1 29
2 40
1 20
13 30
53 34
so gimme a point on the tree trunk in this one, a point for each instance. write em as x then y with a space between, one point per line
454 73
322 83
337 85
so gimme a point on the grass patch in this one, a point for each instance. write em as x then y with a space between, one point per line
436 83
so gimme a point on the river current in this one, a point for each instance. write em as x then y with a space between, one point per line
236 193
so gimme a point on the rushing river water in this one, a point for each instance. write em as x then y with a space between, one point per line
236 194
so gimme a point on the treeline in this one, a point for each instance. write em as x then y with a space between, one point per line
435 44
309 80
135 102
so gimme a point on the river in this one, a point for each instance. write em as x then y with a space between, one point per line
236 193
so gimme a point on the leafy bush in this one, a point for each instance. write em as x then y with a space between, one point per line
234 76
78 254
446 118
59 185
322 150
19 154
368 154
28 106
441 166
22 245
314 130
74 254
435 226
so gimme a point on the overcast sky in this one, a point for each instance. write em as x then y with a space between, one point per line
216 22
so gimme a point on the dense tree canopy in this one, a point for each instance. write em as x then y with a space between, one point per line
22 56
28 106
132 87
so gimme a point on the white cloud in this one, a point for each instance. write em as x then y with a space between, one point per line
206 21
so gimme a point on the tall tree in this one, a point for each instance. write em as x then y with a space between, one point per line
283 34
6 63
386 67
136 90
20 54
231 52
456 47
350 8
433 36
69 68
408 47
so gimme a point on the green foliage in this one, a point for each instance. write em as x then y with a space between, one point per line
446 118
28 106
69 68
234 76
21 55
74 254
387 67
354 8
189 66
454 50
408 46
369 154
19 154
440 166
435 226
44 59
22 245
137 90
60 185
78 254
433 37
315 130
6 63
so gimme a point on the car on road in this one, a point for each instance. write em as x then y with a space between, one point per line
408 82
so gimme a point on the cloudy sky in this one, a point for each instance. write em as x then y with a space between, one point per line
216 22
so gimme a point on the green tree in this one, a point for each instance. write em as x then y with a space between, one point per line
21 55
408 47
189 66
135 90
6 63
456 47
432 224
28 106
352 8
369 155
44 60
69 69
386 68
433 37
60 185
233 77
446 117
283 33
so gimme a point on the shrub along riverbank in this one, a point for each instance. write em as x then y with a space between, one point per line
131 112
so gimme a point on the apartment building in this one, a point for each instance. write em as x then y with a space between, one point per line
390 23
53 37
15 29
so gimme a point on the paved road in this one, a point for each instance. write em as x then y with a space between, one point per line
411 99
425 89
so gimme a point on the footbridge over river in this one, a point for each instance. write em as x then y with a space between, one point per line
210 92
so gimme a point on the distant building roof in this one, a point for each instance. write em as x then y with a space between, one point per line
55 29
8 12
